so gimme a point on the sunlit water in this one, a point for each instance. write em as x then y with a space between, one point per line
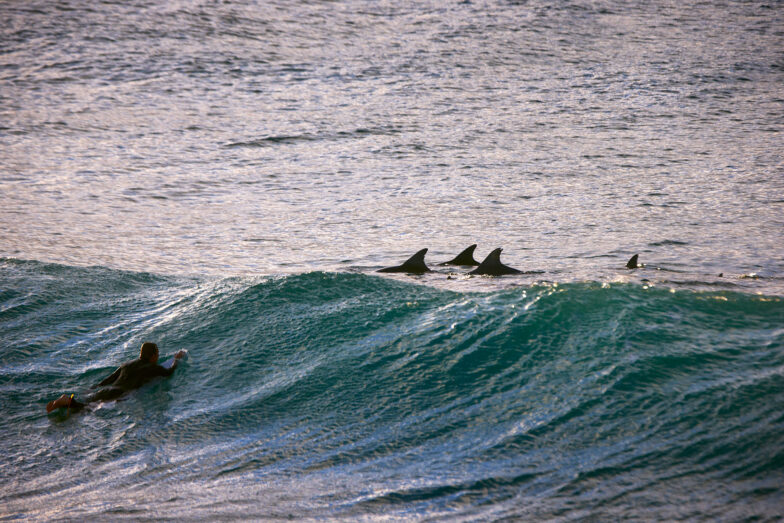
284 137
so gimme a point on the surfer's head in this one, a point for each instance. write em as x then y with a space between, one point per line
149 352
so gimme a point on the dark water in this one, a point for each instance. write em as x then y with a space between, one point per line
351 395
226 176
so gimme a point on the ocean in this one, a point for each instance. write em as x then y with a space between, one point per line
227 177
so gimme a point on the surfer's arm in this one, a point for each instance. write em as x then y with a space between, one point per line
108 381
164 371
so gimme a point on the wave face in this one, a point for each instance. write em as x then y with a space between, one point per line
349 395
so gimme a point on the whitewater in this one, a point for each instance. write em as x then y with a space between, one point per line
228 177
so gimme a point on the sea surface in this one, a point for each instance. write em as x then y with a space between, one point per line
227 177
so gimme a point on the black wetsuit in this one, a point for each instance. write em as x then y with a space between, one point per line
128 376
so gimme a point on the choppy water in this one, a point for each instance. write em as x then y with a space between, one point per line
227 176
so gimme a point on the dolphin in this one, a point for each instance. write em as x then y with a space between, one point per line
632 263
413 265
492 265
464 259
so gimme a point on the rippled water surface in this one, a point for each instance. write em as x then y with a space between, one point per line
200 137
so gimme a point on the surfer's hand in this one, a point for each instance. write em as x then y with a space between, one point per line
180 354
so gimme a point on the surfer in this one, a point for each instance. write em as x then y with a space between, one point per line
128 376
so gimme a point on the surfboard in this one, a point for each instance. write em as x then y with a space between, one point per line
168 363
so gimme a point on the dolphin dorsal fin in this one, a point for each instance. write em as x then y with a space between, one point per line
632 263
413 265
465 258
417 260
494 257
492 265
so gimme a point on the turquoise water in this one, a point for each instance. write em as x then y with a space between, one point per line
353 395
